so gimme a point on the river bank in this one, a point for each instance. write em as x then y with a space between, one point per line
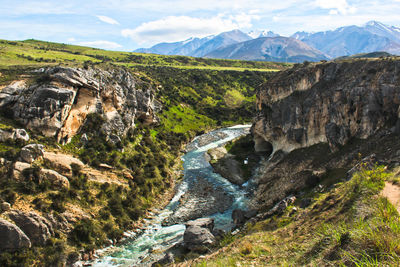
156 239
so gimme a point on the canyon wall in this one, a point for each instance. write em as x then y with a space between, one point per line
316 121
57 102
327 103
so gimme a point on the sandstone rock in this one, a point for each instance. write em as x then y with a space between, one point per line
198 237
12 238
37 228
61 162
57 180
30 153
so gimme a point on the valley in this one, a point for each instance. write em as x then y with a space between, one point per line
128 159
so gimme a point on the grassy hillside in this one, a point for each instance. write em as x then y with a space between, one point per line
349 224
33 52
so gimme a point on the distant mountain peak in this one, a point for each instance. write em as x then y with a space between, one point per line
262 33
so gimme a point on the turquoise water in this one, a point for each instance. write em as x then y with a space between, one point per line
156 239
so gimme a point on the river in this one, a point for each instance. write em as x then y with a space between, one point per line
155 239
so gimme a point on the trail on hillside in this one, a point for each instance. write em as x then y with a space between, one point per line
392 193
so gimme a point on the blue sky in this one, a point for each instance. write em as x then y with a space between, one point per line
127 25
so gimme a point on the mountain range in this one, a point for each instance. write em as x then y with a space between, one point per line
267 45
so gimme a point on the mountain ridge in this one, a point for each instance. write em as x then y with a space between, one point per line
373 36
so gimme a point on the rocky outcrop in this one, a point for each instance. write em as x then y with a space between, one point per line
17 170
327 103
57 180
229 168
19 173
14 134
61 162
37 228
197 236
32 152
57 104
12 238
318 119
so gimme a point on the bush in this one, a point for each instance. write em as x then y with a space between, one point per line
87 232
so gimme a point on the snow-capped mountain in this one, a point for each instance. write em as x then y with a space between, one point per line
197 47
280 49
349 40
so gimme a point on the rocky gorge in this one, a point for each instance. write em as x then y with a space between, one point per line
86 157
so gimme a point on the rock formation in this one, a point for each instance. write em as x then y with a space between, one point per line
57 103
318 119
12 238
198 234
37 228
327 103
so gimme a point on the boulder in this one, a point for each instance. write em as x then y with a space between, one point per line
37 228
198 239
202 222
20 134
197 236
229 168
18 169
32 152
57 180
14 134
61 162
12 238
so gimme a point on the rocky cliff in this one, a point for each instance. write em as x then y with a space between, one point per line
327 103
58 100
319 120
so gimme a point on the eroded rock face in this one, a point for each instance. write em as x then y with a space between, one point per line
327 103
37 228
58 103
12 238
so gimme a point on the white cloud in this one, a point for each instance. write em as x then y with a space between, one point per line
177 28
107 20
72 39
101 44
341 6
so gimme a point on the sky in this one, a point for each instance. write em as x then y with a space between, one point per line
126 25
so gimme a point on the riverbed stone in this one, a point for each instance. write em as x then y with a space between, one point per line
198 239
201 222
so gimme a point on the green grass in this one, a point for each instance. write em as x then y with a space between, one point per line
34 53
350 225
